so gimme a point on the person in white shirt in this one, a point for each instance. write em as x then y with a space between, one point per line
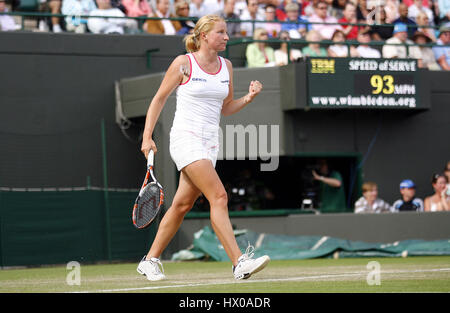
198 8
400 36
369 202
251 14
110 24
281 55
7 22
418 7
74 9
214 6
364 50
338 49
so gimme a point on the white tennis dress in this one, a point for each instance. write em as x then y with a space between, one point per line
195 130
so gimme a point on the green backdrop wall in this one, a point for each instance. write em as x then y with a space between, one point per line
56 227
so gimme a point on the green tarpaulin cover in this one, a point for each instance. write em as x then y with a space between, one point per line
284 247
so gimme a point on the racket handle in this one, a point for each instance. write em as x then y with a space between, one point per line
150 158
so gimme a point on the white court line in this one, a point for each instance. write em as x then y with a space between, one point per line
266 280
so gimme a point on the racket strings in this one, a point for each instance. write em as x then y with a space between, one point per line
148 205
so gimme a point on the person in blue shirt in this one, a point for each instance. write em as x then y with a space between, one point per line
297 28
408 202
441 52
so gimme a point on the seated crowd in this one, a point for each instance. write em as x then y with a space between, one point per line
347 26
370 202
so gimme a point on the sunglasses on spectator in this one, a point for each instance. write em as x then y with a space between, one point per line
322 8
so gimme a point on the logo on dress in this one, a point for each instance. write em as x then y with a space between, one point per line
195 79
225 81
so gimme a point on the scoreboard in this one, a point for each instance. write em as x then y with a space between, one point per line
363 83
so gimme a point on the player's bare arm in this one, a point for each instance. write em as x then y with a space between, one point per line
230 105
174 76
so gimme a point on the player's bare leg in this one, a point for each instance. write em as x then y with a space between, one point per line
184 199
204 176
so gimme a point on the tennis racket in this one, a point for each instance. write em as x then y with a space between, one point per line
150 198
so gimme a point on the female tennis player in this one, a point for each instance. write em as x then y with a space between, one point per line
205 90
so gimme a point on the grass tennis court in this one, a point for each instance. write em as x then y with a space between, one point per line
413 274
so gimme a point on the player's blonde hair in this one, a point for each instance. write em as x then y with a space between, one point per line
204 24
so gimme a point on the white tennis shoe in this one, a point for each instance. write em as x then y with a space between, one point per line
247 266
151 268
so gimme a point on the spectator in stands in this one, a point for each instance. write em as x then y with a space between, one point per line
442 53
198 8
13 5
280 14
251 13
369 202
418 7
339 49
424 24
403 19
424 55
361 11
281 55
439 201
308 8
338 7
379 30
137 8
234 28
444 10
240 6
280 11
182 10
447 174
215 6
331 195
7 22
75 8
297 25
274 28
364 50
111 25
259 54
162 26
396 50
349 16
313 49
391 9
426 3
408 201
54 7
435 9
321 16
